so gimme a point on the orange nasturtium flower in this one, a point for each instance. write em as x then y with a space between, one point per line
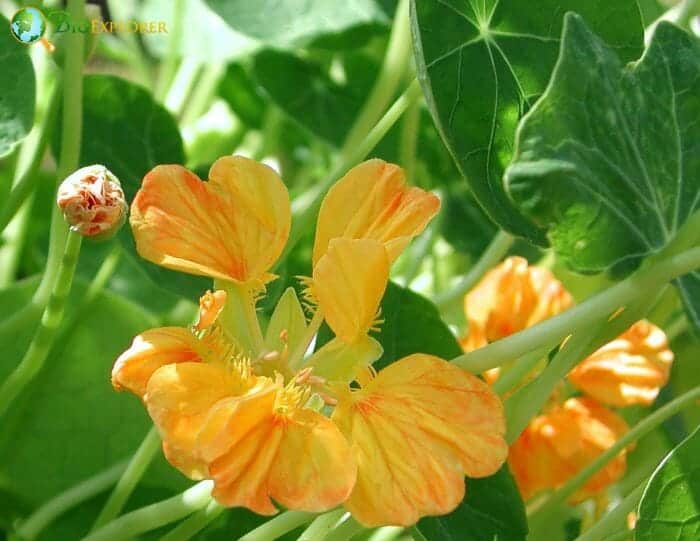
247 411
509 298
558 444
629 370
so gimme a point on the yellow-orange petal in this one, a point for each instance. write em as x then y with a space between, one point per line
179 398
339 361
373 201
299 458
417 429
233 227
560 443
348 283
511 297
148 352
629 370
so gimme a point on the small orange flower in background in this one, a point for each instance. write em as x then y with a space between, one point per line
511 297
558 444
629 370
244 408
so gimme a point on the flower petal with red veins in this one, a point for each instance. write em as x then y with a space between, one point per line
418 428
373 201
231 228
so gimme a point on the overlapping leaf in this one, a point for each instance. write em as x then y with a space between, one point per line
483 63
608 161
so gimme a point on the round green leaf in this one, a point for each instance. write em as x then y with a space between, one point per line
17 88
483 63
670 506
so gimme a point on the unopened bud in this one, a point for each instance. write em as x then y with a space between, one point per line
93 202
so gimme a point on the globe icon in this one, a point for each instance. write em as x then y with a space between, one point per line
28 25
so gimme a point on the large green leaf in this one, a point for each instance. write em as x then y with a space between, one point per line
17 87
303 89
491 510
608 161
70 423
483 63
297 22
412 325
670 506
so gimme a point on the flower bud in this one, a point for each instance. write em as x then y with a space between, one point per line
510 298
629 370
93 202
557 445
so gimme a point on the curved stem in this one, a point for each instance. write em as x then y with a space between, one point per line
394 66
305 208
639 430
137 466
345 531
581 316
516 373
496 250
155 515
195 524
610 523
39 348
409 141
278 526
54 508
169 67
322 525
67 163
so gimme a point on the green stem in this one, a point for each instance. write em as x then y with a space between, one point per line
305 208
204 93
620 536
641 429
54 508
194 524
610 523
508 379
420 251
34 146
581 316
322 525
39 348
278 526
496 250
156 515
394 66
137 466
67 163
409 141
297 356
169 67
345 530
180 90
386 533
